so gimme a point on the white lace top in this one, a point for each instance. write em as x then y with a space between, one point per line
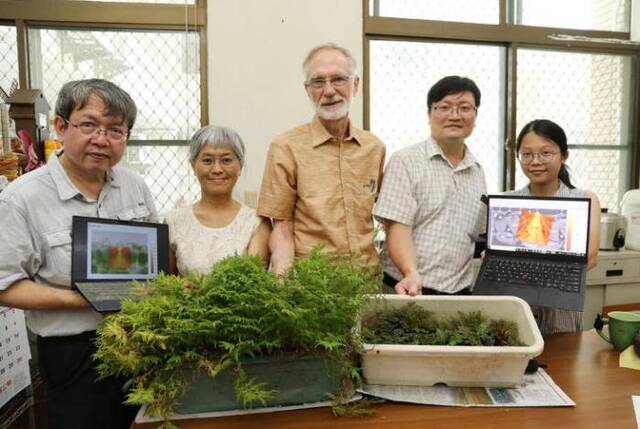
199 247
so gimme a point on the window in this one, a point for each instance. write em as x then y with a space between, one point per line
158 62
402 73
586 85
479 11
606 15
8 57
160 71
589 96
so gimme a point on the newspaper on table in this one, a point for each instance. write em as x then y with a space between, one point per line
14 354
536 390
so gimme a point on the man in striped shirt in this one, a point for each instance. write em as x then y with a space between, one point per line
430 199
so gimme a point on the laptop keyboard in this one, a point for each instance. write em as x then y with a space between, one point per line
105 291
563 277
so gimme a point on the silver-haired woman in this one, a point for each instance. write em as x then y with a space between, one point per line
216 226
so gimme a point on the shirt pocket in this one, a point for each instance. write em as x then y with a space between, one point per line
137 213
365 185
57 267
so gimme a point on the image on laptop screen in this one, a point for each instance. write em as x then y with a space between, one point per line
121 252
548 226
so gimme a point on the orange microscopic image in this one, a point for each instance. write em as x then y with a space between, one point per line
534 227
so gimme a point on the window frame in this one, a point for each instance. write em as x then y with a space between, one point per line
89 15
513 37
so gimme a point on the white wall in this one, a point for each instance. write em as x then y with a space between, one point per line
255 51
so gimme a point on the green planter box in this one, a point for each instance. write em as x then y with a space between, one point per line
298 380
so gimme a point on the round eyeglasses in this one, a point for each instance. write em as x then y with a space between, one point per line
544 157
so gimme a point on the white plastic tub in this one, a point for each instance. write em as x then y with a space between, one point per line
468 366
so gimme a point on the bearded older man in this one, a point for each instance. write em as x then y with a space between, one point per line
321 179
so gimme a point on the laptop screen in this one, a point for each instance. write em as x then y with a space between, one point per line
106 249
117 252
552 226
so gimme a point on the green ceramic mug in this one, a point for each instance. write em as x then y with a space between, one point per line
623 326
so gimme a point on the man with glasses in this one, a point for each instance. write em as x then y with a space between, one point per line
93 121
321 178
430 199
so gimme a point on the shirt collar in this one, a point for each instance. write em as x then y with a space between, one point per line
66 189
114 178
320 135
433 149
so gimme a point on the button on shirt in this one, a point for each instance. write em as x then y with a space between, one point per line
327 187
36 211
442 203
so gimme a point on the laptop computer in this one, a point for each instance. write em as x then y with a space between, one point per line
108 254
536 250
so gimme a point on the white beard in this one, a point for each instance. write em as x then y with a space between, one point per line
333 114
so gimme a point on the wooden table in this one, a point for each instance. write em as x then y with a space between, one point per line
582 364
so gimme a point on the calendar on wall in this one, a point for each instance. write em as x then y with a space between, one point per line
14 354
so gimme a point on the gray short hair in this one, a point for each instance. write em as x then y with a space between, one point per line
216 136
75 94
353 65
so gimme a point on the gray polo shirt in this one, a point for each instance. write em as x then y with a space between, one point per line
442 203
35 233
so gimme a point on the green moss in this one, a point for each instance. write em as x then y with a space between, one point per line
411 324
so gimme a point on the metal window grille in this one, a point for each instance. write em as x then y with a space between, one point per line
401 73
590 97
159 69
8 56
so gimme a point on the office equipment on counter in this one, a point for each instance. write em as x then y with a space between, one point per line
536 250
108 255
630 209
612 230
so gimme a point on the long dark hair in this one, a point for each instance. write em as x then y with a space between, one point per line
550 131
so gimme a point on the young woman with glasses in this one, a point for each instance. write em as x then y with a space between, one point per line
543 152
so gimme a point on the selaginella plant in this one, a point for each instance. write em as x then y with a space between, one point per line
412 324
239 310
